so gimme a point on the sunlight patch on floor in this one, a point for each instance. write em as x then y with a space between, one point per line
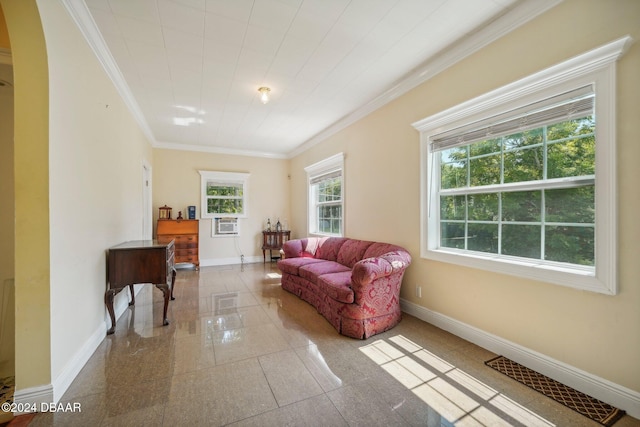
457 396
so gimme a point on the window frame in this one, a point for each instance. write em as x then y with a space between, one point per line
327 166
223 178
596 67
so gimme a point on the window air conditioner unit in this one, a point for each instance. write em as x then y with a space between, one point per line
227 226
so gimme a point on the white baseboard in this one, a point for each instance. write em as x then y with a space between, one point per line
51 393
33 397
62 382
600 388
229 261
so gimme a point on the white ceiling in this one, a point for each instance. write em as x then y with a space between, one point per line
190 69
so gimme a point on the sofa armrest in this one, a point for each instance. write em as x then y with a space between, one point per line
369 269
292 248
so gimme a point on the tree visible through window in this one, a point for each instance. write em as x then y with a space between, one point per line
554 222
522 180
326 202
329 205
224 198
224 194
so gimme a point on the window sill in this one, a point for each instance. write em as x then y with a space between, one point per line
583 278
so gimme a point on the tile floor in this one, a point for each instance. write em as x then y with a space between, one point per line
241 351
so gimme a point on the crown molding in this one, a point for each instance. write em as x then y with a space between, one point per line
218 150
79 12
522 13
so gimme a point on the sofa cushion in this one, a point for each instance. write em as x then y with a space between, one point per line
352 251
312 271
329 247
337 286
292 265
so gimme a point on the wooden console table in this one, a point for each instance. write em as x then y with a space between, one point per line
272 241
139 261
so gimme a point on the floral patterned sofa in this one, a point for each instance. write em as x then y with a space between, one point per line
354 284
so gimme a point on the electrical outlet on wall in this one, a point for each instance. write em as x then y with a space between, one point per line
419 291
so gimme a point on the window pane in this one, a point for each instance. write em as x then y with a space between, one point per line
570 244
329 190
232 190
571 128
483 207
329 219
489 146
521 240
522 206
452 207
452 235
523 139
453 168
525 164
484 170
483 238
574 205
572 158
224 206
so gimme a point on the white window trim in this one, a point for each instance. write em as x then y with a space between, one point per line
224 177
330 164
597 67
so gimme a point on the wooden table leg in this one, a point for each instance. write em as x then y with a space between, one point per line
167 295
133 296
108 300
173 281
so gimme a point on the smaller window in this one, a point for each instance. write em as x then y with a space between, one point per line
224 194
326 202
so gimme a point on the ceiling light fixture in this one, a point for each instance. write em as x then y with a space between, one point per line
264 94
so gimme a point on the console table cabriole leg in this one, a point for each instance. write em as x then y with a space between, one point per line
173 281
167 295
108 301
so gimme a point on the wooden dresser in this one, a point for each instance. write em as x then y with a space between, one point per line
184 232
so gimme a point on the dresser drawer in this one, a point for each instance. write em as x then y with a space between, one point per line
165 239
186 239
186 252
171 226
193 259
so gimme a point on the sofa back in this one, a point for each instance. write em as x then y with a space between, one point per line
340 249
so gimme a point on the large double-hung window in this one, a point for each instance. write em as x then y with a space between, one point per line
522 187
326 202
522 180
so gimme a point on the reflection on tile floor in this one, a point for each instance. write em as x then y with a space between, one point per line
241 351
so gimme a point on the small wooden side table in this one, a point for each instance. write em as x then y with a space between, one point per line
273 241
140 261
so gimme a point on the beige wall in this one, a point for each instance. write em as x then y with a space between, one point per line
7 233
176 183
78 173
6 175
31 163
97 152
595 333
